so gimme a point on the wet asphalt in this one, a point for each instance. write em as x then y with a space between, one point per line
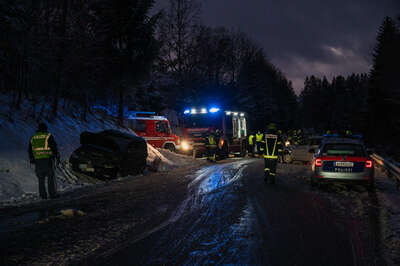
231 216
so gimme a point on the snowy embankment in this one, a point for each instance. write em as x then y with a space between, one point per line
17 178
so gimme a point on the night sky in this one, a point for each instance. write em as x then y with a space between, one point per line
301 38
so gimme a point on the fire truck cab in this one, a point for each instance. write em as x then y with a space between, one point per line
199 122
155 129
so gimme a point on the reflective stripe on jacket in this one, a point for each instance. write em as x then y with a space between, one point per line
40 146
211 142
271 141
251 137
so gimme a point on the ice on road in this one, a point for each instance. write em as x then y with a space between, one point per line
232 217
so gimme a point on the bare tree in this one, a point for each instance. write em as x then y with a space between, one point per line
177 30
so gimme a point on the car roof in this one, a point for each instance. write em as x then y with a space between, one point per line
341 140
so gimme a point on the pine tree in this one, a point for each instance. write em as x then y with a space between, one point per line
384 83
128 36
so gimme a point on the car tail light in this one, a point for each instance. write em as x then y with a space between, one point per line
318 162
368 164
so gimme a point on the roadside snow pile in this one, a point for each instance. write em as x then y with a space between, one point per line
17 178
389 199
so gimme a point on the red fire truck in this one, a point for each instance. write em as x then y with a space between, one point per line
155 129
198 122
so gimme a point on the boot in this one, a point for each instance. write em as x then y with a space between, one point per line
272 179
266 177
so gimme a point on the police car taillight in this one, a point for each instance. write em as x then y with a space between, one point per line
368 164
318 162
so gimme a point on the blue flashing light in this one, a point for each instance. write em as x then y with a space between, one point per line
331 135
214 110
187 111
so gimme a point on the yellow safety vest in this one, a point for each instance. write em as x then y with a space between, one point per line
270 154
40 145
251 137
211 141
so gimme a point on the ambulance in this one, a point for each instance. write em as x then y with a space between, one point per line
155 129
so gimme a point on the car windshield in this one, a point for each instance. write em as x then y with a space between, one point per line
343 149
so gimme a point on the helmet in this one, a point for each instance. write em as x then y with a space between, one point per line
271 126
217 131
42 127
348 132
298 131
279 131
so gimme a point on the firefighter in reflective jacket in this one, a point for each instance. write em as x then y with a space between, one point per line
348 133
43 153
259 142
273 146
250 146
211 144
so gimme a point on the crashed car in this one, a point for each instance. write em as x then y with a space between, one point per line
108 154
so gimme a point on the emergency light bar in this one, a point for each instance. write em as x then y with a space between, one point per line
202 110
331 135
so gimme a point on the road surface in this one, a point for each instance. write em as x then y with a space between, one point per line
220 213
232 217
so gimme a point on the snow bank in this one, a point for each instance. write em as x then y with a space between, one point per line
17 178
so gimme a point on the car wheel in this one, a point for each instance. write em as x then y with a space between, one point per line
170 147
371 185
243 150
225 151
313 183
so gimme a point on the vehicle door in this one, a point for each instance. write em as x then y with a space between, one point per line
163 131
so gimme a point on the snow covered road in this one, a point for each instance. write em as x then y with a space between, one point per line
220 213
232 217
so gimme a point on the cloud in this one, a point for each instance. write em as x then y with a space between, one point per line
337 61
306 37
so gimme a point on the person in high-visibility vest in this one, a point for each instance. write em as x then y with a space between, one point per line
259 142
273 144
348 133
280 144
43 153
250 146
211 145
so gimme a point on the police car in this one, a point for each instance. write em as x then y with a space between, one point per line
342 160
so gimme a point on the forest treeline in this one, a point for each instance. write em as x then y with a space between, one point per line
125 55
364 103
122 54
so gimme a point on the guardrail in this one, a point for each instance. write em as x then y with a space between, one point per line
392 170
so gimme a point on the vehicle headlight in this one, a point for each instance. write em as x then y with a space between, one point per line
287 143
185 145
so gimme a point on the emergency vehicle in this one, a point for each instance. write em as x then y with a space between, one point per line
342 160
199 122
156 130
